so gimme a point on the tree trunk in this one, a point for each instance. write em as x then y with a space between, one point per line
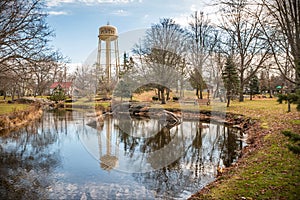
228 99
159 94
289 106
181 89
216 92
241 99
163 98
13 95
201 90
241 93
241 89
250 95
298 74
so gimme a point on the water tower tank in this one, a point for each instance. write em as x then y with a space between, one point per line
108 62
108 32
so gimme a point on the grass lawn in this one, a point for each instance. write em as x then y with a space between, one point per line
9 108
271 170
85 102
7 98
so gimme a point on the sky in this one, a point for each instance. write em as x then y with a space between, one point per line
76 22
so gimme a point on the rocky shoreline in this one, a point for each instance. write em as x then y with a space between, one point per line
144 110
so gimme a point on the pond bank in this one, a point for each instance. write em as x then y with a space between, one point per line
230 119
267 168
18 119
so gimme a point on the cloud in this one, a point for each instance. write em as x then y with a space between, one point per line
58 13
182 19
71 67
52 3
121 13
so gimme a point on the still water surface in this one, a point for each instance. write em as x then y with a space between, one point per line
61 157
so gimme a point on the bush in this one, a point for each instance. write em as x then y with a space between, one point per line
155 98
291 97
294 146
58 94
175 98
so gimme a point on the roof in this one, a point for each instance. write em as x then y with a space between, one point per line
64 85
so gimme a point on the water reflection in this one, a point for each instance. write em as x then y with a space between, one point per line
109 158
25 161
61 157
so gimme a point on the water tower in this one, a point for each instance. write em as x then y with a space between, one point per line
108 52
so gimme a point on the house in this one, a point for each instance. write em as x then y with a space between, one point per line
66 86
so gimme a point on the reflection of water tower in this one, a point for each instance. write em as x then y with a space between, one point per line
108 52
109 158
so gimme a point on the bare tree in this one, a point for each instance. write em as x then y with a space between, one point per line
24 50
245 39
161 56
24 32
46 70
85 82
283 35
204 39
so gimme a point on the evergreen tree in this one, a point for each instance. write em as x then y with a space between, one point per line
230 79
123 89
58 94
254 86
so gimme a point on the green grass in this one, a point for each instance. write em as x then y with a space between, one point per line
9 108
6 99
270 172
295 122
85 102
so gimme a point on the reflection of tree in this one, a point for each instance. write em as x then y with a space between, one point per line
57 118
196 152
230 153
197 166
130 143
125 126
195 147
162 138
25 161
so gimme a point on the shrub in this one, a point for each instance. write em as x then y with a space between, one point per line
294 138
58 94
175 98
155 98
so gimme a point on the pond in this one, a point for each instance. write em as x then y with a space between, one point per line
61 157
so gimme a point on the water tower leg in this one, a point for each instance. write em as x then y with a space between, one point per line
108 60
117 59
